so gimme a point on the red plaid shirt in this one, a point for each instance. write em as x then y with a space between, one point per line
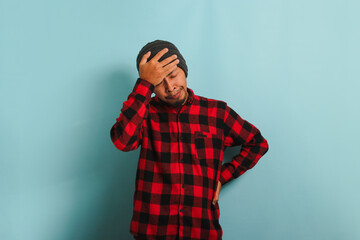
181 161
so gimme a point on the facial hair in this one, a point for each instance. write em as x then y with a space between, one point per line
180 101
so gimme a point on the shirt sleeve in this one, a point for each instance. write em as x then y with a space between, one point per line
238 131
126 133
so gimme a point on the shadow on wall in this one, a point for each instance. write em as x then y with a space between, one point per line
118 205
229 153
105 208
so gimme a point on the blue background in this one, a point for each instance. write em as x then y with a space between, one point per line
291 68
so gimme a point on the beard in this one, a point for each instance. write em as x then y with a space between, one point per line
180 101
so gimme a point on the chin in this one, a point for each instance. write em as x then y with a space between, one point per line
178 102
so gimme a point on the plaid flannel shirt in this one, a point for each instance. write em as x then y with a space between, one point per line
180 161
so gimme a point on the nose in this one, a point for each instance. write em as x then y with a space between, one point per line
169 85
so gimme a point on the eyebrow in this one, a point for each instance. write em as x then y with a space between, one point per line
172 72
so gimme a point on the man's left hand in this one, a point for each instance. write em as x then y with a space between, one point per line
216 196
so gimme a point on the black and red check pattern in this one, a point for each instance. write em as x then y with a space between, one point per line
181 161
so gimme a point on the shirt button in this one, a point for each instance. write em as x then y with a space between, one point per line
182 160
181 210
181 138
182 186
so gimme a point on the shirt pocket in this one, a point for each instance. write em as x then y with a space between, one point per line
208 147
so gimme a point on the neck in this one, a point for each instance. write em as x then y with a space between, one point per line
186 97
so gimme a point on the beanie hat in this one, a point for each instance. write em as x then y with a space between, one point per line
158 45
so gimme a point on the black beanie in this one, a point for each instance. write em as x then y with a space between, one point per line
158 45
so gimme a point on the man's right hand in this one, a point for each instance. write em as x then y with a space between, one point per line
154 71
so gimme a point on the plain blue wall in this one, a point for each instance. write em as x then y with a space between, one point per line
288 67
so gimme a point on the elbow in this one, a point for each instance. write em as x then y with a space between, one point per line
264 146
120 143
262 143
122 147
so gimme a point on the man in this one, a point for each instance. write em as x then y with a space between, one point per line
183 137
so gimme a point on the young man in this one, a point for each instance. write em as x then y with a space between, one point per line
183 137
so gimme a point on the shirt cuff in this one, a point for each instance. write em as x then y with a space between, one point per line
225 175
222 180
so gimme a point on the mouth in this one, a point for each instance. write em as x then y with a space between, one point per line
176 95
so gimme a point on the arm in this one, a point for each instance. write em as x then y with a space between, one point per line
237 132
127 132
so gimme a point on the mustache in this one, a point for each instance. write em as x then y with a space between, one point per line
167 97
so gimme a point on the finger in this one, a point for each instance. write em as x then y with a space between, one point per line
216 198
144 58
168 60
171 66
159 54
169 69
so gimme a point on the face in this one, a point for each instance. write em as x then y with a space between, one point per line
173 88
